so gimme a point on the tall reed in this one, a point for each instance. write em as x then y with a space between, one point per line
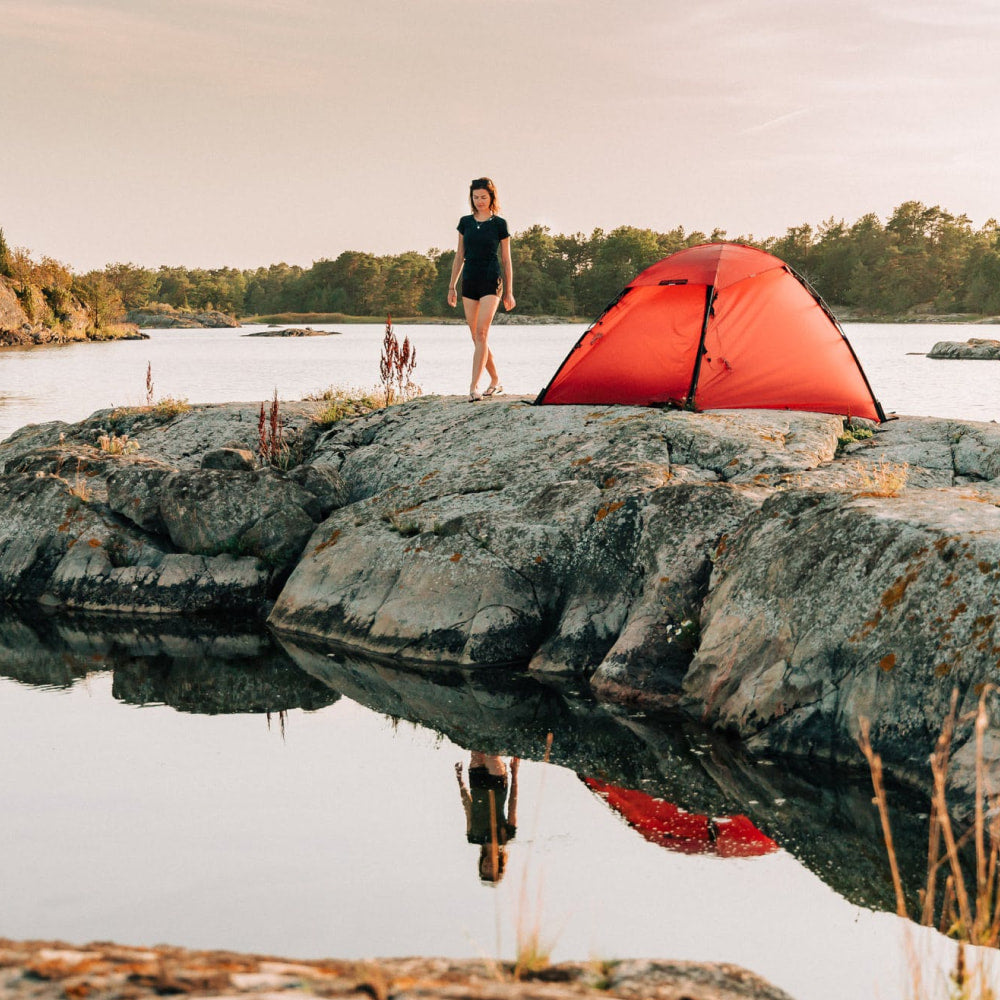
970 915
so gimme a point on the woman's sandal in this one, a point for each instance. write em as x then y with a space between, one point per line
494 390
474 397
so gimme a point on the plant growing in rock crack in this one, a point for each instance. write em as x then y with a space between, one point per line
684 628
113 444
884 479
272 448
118 551
78 487
402 526
684 634
396 366
852 434
170 406
344 403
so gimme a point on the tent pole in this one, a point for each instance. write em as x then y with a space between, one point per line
804 282
709 301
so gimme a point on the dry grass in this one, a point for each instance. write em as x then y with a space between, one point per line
78 487
114 444
344 403
170 406
885 479
164 408
534 947
969 914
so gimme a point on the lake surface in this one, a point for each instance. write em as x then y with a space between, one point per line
68 382
214 789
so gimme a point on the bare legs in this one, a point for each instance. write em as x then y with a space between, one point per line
479 315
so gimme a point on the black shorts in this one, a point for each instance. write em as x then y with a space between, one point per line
479 285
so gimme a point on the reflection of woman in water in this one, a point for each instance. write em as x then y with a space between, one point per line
484 801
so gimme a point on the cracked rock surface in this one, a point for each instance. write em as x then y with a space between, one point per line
146 529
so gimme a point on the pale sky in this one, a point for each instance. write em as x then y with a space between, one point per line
247 132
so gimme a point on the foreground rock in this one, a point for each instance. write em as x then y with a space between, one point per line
974 349
53 970
763 571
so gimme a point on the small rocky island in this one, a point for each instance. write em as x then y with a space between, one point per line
293 331
161 316
774 575
973 349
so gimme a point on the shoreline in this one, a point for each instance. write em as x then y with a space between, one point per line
843 315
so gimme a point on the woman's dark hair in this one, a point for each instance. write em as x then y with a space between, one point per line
485 184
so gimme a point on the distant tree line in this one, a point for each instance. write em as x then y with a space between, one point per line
921 258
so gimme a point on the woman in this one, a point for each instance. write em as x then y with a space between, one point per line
484 278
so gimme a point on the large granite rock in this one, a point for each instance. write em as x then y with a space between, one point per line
827 607
767 571
509 533
146 529
738 564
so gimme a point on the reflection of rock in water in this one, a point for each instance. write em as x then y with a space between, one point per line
211 687
30 653
191 666
823 817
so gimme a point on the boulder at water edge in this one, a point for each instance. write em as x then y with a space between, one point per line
974 349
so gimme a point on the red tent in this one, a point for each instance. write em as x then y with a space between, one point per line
663 823
717 326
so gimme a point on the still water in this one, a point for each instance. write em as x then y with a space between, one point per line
211 789
69 382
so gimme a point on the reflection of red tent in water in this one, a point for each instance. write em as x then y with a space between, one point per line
670 826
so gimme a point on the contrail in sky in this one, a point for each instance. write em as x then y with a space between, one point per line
771 123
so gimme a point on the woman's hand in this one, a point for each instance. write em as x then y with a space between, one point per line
508 302
452 297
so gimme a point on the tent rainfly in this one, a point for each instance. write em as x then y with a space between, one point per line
717 326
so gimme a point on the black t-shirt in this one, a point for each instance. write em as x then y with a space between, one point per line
482 240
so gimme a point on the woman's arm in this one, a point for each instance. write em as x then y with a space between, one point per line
508 275
456 270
